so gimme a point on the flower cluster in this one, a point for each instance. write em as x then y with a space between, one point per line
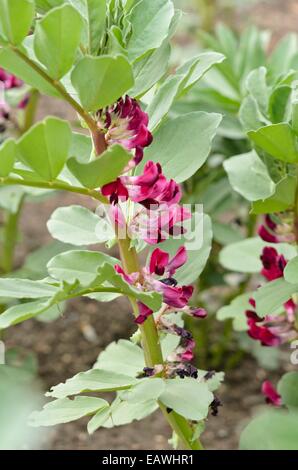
158 276
158 215
272 330
8 82
276 230
126 124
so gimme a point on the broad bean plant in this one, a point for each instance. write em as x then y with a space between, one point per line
110 61
104 59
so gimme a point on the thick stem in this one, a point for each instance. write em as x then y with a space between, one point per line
99 142
10 238
91 123
152 349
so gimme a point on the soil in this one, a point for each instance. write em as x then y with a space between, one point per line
72 343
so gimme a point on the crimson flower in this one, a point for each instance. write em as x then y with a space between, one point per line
273 264
126 123
272 330
271 394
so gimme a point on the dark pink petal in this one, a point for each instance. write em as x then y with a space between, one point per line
145 312
177 261
273 264
158 262
271 394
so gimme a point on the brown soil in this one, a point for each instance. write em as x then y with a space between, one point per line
72 343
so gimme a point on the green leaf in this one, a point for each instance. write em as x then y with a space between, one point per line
244 256
278 140
149 69
38 147
100 81
56 39
21 312
150 26
94 380
249 176
65 410
102 170
272 430
79 226
291 271
282 199
35 263
256 85
25 289
282 56
124 412
273 295
78 265
182 145
249 114
187 397
236 311
16 17
98 419
278 103
11 197
288 389
145 390
10 61
122 355
45 5
186 76
7 157
94 13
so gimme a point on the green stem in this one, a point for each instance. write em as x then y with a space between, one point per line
152 349
58 185
10 238
91 123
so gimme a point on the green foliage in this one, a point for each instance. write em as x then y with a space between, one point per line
278 140
273 295
248 175
194 131
79 226
38 149
187 397
100 171
65 410
100 81
287 388
272 430
94 380
15 19
56 39
150 22
7 157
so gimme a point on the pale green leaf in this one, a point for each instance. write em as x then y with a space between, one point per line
39 150
100 81
94 380
56 39
65 410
